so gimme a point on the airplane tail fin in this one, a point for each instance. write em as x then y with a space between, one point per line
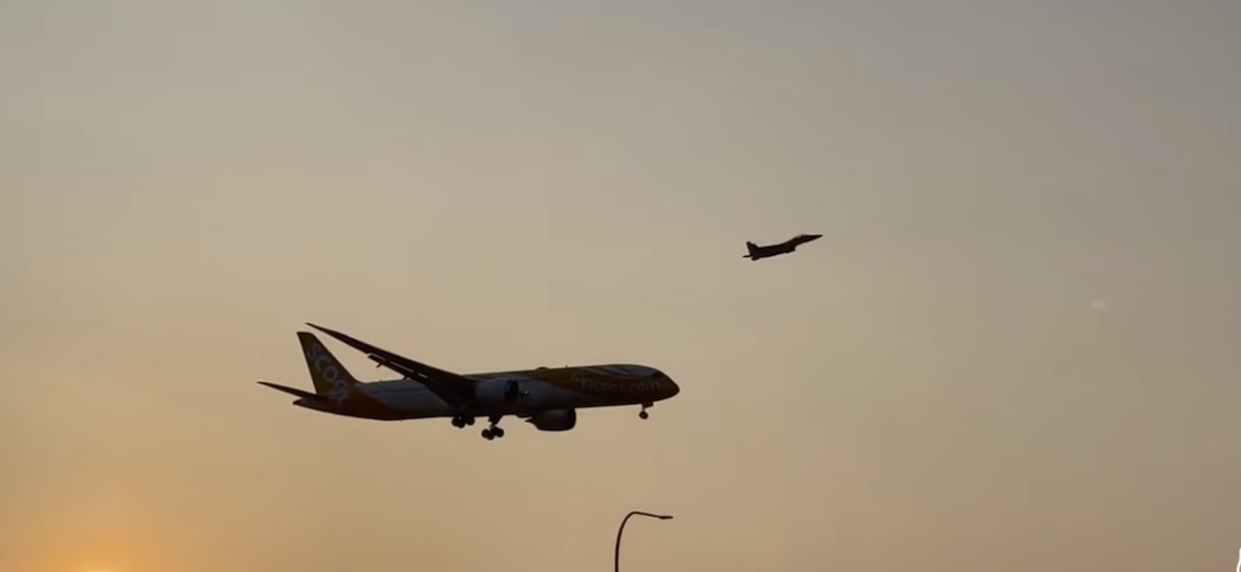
753 248
330 377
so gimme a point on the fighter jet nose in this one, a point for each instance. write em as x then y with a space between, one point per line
813 236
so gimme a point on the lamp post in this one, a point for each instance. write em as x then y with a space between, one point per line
619 532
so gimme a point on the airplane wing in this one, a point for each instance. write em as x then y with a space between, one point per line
454 389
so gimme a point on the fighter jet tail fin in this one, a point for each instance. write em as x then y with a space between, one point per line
752 248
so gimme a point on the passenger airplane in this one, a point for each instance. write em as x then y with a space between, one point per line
547 398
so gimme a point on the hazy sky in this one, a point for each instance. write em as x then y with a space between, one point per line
1016 348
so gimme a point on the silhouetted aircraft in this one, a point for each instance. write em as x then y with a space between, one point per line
546 398
757 252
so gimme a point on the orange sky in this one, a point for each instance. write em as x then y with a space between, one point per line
494 185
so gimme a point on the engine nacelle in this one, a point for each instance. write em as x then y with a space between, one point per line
507 392
555 420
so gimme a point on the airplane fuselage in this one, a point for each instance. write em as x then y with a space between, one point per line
515 393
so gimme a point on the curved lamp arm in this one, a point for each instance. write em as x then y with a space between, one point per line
621 531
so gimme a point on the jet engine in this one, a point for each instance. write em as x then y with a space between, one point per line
513 391
506 393
555 420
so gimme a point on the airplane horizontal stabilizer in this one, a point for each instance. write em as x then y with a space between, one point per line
291 390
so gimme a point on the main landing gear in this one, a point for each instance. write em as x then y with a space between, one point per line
643 414
494 431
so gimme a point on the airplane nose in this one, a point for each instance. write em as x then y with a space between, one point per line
814 236
671 387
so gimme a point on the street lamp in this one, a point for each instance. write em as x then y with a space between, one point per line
616 561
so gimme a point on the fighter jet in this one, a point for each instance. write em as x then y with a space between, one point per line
757 252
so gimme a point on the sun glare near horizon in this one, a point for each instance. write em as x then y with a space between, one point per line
1014 347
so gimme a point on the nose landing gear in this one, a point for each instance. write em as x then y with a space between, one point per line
643 414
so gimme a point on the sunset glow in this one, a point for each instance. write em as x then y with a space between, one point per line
1015 346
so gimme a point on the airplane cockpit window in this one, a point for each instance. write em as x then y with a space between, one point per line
640 371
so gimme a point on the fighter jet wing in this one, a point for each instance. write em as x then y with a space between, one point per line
454 389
